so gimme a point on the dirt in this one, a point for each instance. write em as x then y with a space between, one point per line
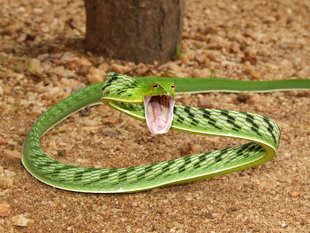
42 60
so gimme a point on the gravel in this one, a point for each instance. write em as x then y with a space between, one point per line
42 60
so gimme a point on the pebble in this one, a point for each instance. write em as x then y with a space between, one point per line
188 197
243 97
72 65
190 55
187 57
120 69
212 56
6 182
110 133
268 185
141 69
251 59
201 58
12 29
13 154
205 102
34 66
9 173
20 220
128 228
68 56
295 194
95 75
5 210
70 83
254 74
201 73
1 170
284 225
104 67
234 47
270 66
83 62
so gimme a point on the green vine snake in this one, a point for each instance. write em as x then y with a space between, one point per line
151 99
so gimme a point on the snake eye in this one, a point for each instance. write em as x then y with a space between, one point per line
155 85
172 86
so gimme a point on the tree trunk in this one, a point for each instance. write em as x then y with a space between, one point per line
137 30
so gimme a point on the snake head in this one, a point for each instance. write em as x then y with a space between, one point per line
158 104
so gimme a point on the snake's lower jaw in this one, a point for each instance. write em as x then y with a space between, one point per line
159 113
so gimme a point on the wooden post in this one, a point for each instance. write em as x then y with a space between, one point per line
136 30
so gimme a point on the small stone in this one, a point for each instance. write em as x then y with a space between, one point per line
251 59
294 179
20 220
45 28
34 66
10 100
295 194
6 182
14 154
264 52
209 216
268 185
216 46
68 56
235 47
82 62
71 65
247 69
250 33
9 173
200 58
272 67
188 197
243 97
185 60
85 112
104 67
172 67
110 133
228 64
95 75
201 73
205 102
61 153
255 75
38 11
212 56
5 210
284 225
120 69
1 170
70 83
142 69
12 29
128 228
188 55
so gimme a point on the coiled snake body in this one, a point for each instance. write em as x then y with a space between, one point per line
151 99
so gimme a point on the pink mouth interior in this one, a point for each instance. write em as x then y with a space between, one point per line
159 113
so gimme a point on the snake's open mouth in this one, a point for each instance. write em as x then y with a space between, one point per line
158 113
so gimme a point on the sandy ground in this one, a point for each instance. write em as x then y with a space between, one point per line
42 60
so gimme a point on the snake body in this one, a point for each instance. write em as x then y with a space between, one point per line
120 92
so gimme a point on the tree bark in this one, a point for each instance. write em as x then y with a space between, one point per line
134 30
